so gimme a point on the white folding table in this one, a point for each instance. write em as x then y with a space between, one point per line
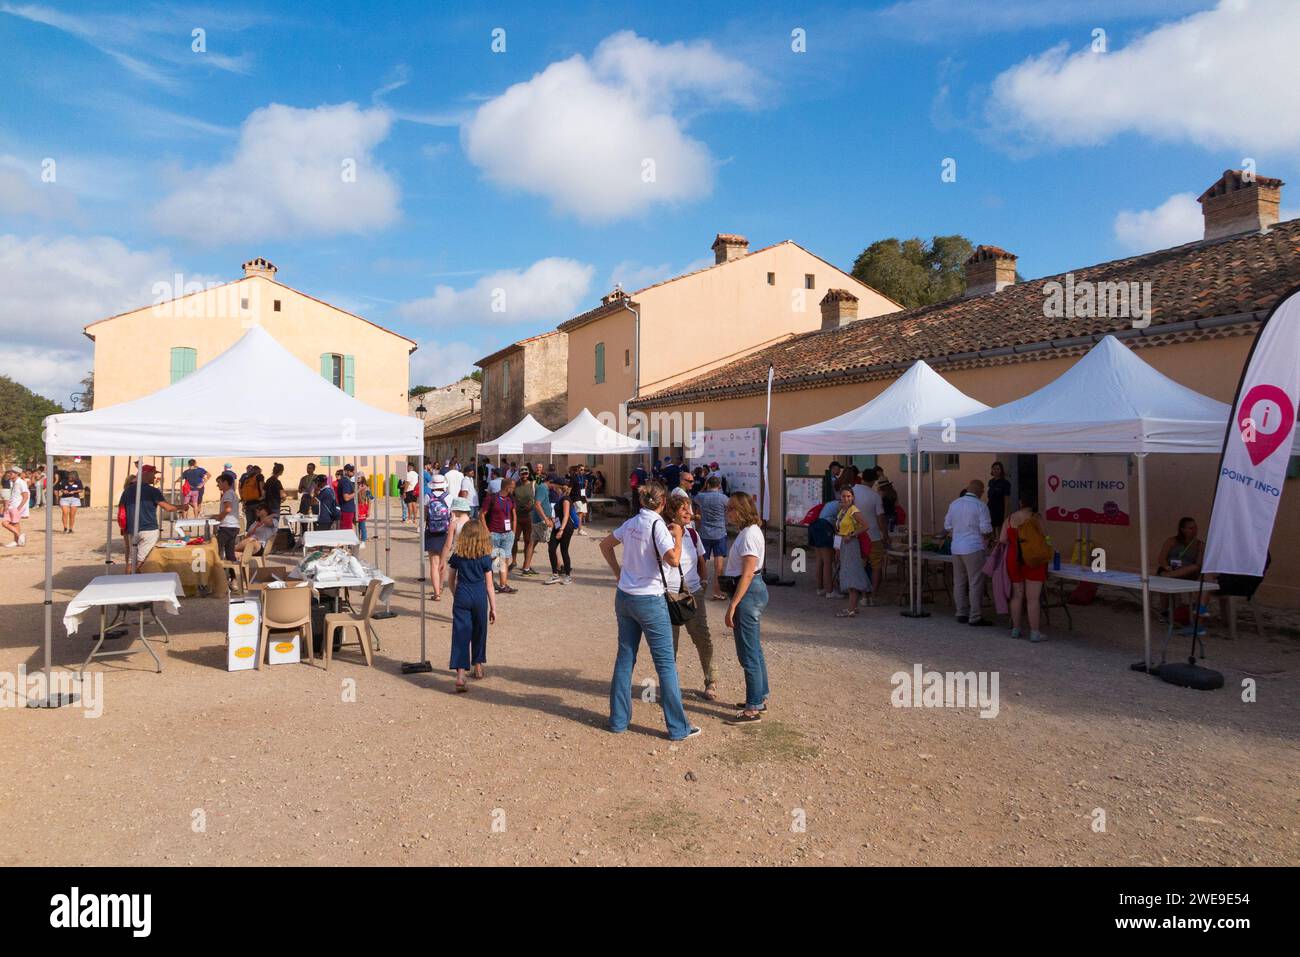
331 538
125 593
1158 584
204 524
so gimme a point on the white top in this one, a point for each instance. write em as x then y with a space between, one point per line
454 479
870 505
124 590
16 501
231 520
412 480
748 541
467 490
644 537
969 521
690 566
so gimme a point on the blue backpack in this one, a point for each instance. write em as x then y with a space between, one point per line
437 515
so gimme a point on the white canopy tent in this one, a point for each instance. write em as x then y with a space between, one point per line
511 442
248 401
1110 401
585 435
888 424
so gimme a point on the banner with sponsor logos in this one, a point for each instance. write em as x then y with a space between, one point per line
1088 489
1257 447
738 452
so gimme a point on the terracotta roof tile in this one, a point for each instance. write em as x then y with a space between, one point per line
1233 276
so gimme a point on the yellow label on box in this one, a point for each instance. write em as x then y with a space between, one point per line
244 619
284 647
245 652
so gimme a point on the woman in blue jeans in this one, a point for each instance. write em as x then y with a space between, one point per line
742 577
642 609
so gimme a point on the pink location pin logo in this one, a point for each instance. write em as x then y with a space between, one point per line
1053 482
1270 412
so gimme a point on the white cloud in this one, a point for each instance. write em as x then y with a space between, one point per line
582 133
23 194
439 364
1176 221
550 290
53 287
633 275
1227 78
288 177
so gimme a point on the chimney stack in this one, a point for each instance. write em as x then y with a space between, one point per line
1240 203
729 246
839 307
988 270
260 267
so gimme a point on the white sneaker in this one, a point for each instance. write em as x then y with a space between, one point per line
568 579
553 580
11 544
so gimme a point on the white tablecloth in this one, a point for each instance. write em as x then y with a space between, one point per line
1159 585
350 581
296 519
331 539
163 587
200 523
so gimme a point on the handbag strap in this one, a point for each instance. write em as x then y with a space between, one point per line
681 588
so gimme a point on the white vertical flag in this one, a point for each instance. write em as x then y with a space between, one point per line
1257 446
767 433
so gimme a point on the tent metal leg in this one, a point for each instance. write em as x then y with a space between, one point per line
108 517
1142 543
388 537
51 699
422 666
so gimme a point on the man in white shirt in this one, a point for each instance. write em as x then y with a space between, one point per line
16 509
641 609
872 508
468 491
970 524
411 495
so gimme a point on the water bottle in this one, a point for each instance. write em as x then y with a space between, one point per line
1056 561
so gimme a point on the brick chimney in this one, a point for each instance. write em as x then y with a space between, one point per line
729 246
260 267
614 295
988 270
839 307
1240 203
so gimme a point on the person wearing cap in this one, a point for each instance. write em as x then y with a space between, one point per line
716 470
437 525
16 508
143 538
525 496
499 515
228 470
346 492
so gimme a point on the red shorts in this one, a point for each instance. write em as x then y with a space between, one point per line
347 519
1017 572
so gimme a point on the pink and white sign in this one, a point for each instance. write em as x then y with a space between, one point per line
1257 447
1088 489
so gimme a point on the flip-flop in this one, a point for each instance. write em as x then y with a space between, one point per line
846 613
461 687
718 597
710 695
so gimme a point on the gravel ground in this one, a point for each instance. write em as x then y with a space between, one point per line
201 766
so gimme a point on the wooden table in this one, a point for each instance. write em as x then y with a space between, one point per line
198 568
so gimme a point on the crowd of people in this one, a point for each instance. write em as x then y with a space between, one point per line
850 532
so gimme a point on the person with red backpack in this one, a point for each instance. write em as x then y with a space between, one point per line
437 522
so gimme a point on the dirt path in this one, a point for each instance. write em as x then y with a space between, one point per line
279 768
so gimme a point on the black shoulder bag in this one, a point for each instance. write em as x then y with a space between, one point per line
681 604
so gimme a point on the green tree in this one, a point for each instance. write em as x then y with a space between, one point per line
914 272
20 425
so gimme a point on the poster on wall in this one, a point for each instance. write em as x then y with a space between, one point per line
738 452
801 494
1088 489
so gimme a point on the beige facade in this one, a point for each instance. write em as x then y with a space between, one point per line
529 377
1180 484
696 322
140 352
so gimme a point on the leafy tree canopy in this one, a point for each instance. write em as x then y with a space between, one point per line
20 423
915 272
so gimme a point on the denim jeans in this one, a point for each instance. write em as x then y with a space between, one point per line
648 615
748 648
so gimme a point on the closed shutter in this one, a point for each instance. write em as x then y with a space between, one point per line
327 366
600 362
349 375
183 362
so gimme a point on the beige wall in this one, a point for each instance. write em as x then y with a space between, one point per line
1178 484
502 407
133 356
546 375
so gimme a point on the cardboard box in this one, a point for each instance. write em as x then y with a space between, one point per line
244 621
285 648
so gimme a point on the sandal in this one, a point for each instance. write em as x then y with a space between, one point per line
461 687
478 672
710 691
718 597
847 613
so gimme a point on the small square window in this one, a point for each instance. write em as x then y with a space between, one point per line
243 303
276 305
627 358
809 281
771 279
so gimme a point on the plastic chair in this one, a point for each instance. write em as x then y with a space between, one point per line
361 623
285 609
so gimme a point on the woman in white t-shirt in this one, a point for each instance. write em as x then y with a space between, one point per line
742 581
691 571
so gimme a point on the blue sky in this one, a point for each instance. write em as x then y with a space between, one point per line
526 169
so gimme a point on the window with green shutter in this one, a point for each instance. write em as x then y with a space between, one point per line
340 370
184 360
600 362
